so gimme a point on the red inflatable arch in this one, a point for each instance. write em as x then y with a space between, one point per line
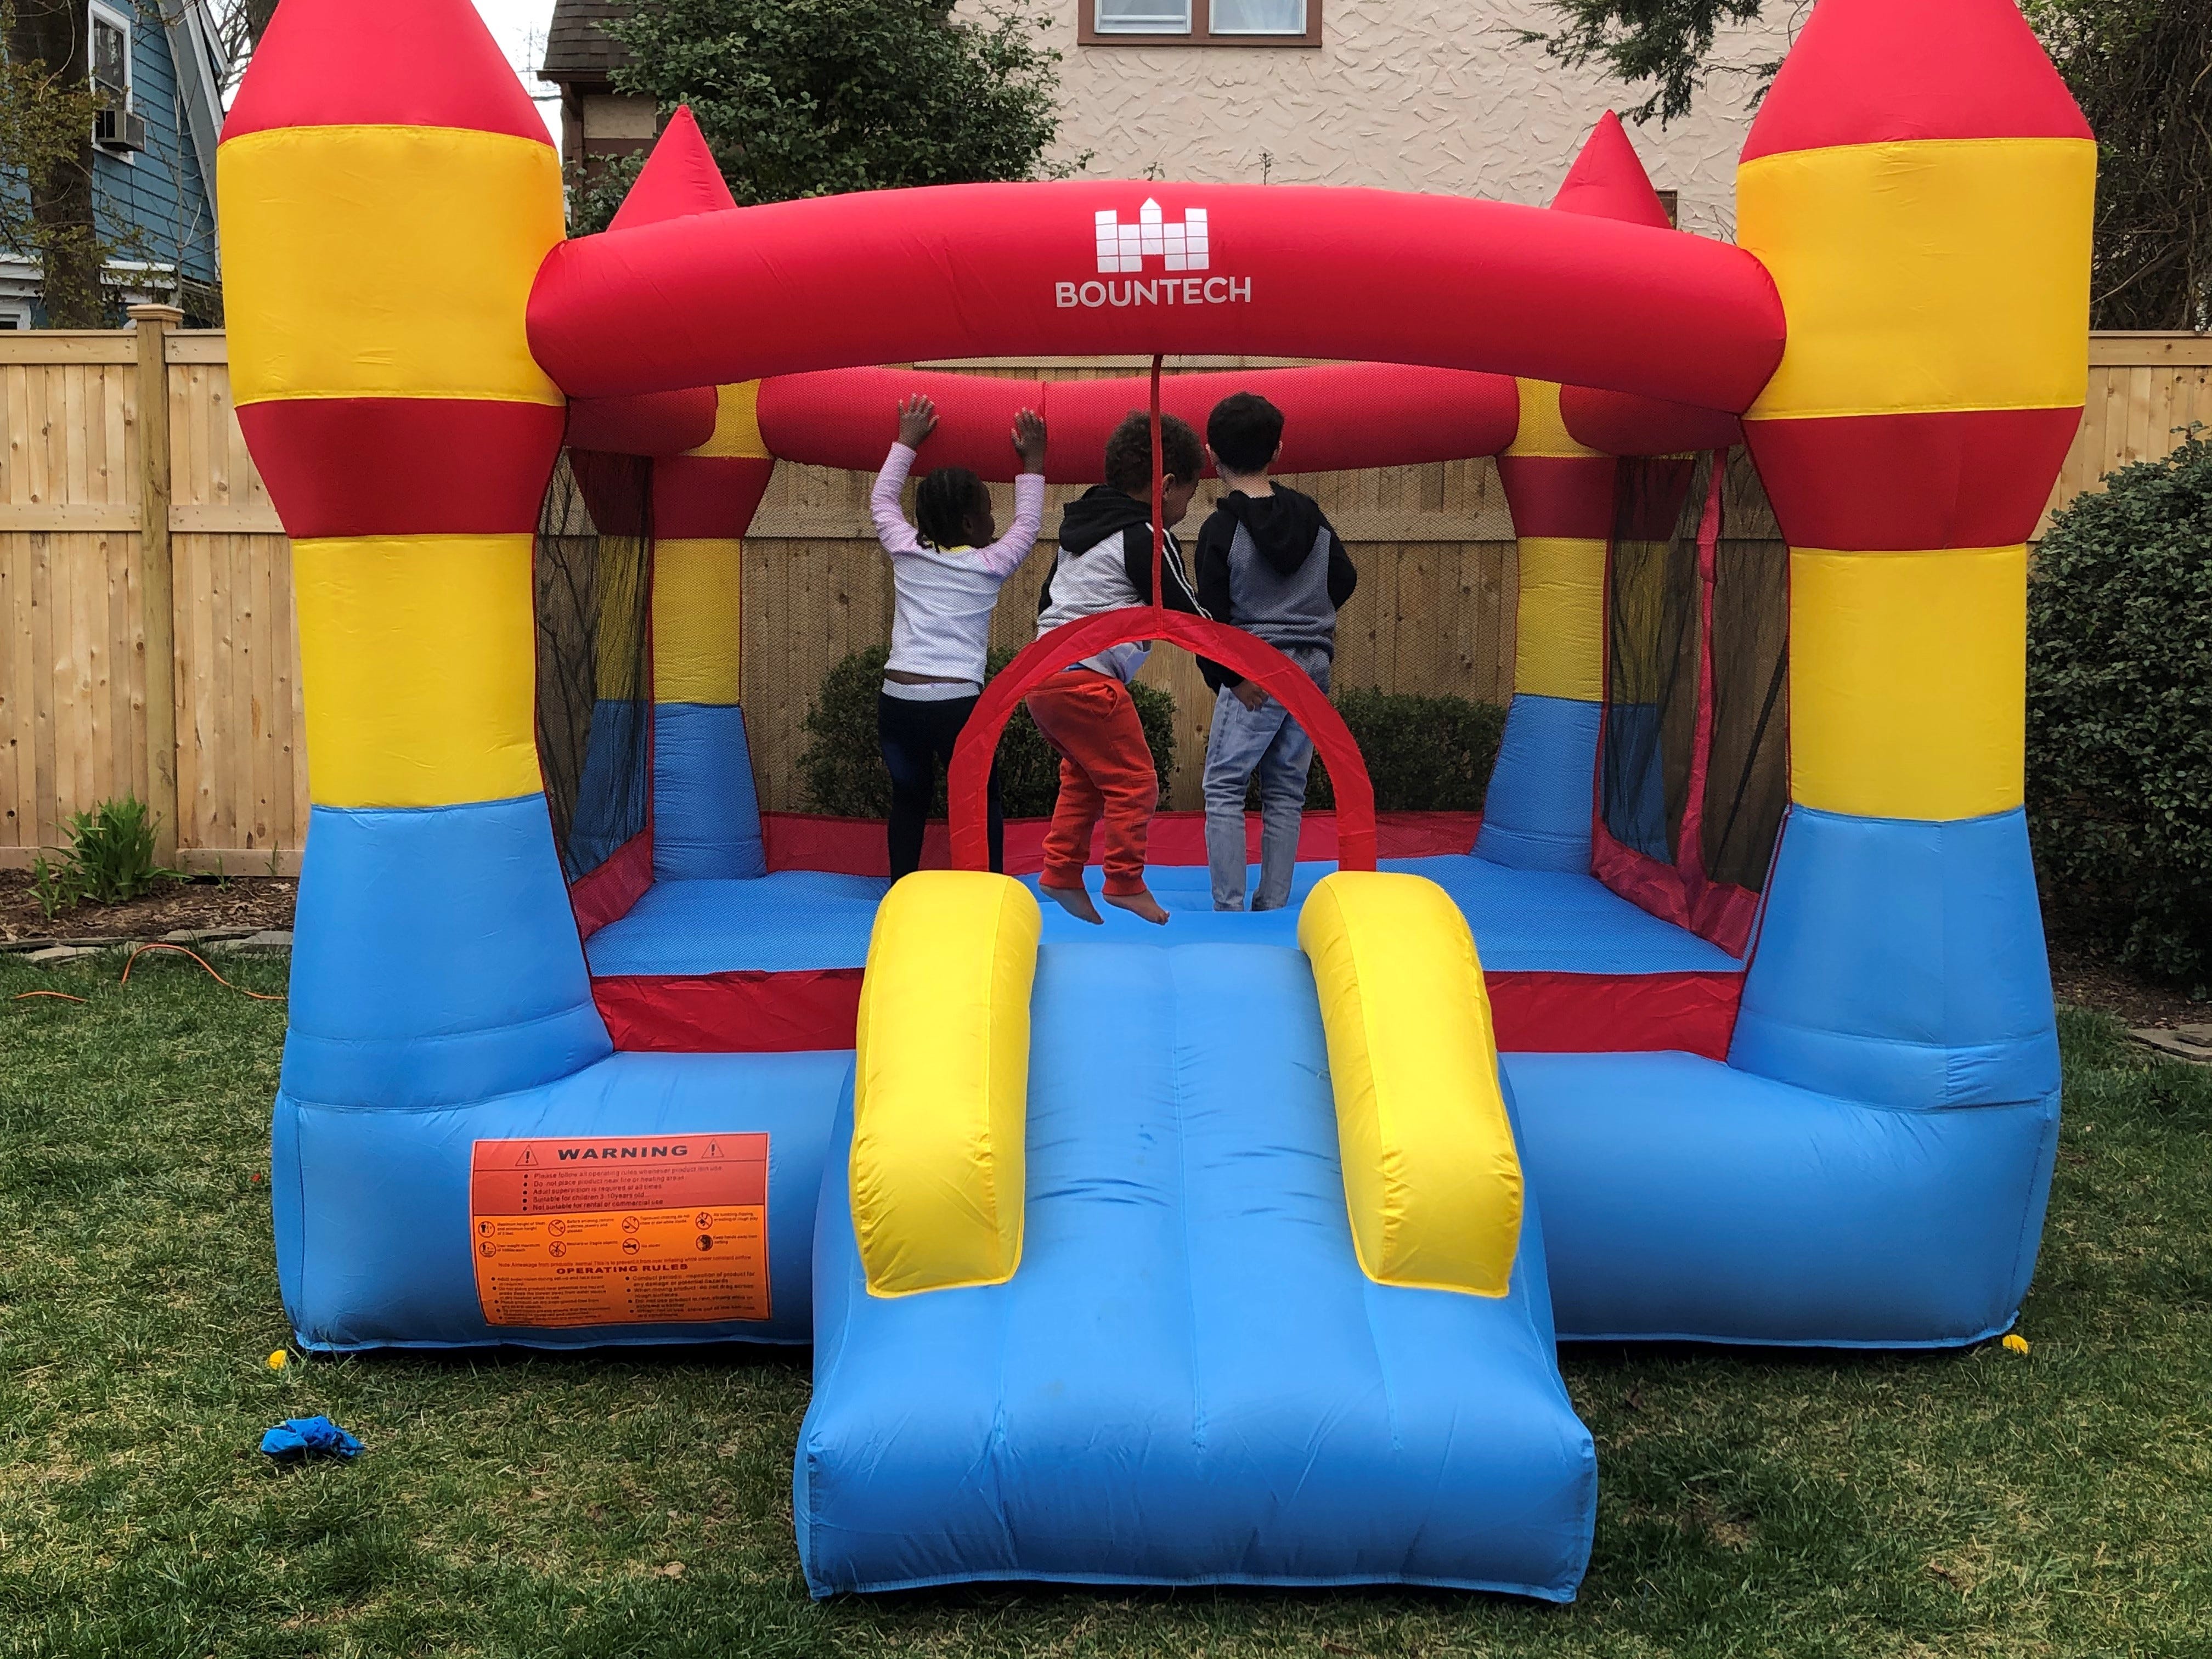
1095 267
969 779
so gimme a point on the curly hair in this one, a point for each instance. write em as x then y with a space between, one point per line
943 501
1129 452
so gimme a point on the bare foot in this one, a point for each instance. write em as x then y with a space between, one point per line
1138 903
1076 901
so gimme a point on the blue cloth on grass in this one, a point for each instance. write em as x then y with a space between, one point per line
309 1436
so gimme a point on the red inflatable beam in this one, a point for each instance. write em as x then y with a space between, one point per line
967 270
651 423
1620 424
967 780
1336 415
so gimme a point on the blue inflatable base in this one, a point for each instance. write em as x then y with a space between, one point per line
1687 1201
1189 1380
373 1212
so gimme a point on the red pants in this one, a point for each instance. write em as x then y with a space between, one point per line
1090 718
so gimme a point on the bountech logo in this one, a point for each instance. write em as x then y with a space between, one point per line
1182 247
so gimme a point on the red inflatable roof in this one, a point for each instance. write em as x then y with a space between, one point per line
381 63
1876 71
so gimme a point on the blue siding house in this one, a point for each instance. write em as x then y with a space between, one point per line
162 64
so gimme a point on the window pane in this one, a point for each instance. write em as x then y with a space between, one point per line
1144 16
1259 17
111 49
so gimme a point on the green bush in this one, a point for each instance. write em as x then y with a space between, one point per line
843 765
1424 754
2119 714
109 859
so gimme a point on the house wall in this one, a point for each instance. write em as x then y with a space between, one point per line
161 191
1404 94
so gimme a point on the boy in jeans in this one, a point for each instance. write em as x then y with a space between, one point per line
1269 562
1084 711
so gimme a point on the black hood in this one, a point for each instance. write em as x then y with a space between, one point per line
1283 526
1099 513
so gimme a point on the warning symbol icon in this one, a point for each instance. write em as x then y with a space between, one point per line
528 1158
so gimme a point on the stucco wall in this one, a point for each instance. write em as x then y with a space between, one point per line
1409 94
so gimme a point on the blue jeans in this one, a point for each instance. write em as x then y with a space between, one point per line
1266 740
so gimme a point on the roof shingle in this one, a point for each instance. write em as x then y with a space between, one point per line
576 48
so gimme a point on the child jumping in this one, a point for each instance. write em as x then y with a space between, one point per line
947 571
1269 562
1085 711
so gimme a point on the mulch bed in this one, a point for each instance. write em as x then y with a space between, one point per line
2089 979
255 901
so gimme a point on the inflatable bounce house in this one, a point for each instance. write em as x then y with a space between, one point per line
1234 1250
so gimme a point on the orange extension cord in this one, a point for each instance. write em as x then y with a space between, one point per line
63 996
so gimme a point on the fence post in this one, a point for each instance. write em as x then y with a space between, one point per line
157 589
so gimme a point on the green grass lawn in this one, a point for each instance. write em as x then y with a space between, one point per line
1750 1503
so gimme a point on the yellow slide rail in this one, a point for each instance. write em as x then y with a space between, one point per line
1430 1174
941 1092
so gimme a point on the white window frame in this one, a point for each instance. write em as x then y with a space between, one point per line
96 12
1149 27
1305 14
1195 29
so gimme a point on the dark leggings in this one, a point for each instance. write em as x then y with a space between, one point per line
917 738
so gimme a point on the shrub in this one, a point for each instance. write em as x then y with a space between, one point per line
109 859
1424 754
2119 714
842 767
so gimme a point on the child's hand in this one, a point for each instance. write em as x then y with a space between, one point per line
1028 439
1250 695
917 419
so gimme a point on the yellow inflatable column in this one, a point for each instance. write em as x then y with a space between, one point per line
1932 244
1537 815
388 193
1919 184
705 809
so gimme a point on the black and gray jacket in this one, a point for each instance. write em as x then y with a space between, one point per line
1273 565
1105 563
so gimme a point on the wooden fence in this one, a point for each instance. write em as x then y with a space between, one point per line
91 518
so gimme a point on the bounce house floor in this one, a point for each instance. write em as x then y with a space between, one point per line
774 961
1523 920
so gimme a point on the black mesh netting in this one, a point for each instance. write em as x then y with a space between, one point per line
1654 618
1652 629
1748 781
594 596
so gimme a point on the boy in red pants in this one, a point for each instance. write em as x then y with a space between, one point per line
1084 711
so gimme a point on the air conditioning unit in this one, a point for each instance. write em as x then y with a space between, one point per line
119 130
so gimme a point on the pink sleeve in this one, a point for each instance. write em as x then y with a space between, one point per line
1005 555
892 529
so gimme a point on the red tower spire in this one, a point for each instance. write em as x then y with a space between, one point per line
679 178
1608 180
1885 71
390 64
